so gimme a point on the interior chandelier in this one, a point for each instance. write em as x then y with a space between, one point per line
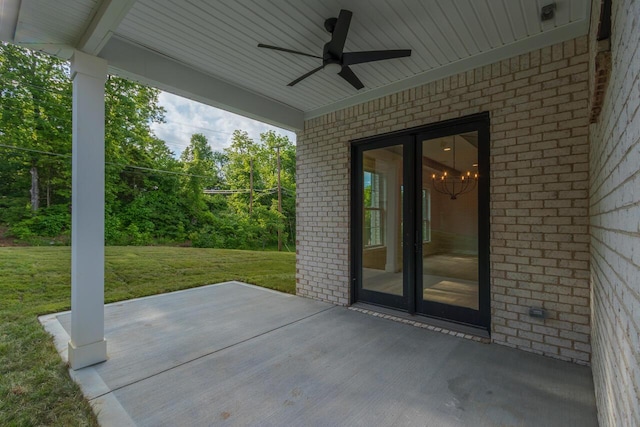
454 185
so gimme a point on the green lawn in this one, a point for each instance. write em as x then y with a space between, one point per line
35 388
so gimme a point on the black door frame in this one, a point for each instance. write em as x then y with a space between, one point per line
411 140
358 293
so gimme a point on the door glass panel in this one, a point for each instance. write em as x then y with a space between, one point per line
449 226
382 220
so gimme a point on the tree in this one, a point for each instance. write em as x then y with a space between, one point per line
130 109
247 158
272 144
220 160
199 165
243 155
35 94
35 117
150 195
140 203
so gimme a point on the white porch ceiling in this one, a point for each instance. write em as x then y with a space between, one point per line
214 43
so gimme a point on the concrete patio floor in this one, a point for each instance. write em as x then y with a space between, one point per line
235 354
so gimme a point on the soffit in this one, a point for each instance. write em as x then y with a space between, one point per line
219 39
53 26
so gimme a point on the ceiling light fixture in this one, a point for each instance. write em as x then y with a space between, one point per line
451 185
333 68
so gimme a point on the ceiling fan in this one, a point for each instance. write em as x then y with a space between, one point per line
333 57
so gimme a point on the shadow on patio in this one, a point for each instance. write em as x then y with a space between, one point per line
236 354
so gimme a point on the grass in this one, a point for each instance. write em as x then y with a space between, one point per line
35 387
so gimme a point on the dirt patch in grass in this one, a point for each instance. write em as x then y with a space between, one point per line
6 240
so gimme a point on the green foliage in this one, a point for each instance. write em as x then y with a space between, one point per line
136 237
48 222
243 156
197 164
227 231
150 195
113 230
35 95
12 209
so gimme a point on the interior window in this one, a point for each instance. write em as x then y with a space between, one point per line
373 209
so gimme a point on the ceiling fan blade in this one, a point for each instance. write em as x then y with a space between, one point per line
339 36
281 49
347 74
351 58
299 79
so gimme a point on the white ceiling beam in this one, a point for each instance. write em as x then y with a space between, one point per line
9 10
143 65
103 24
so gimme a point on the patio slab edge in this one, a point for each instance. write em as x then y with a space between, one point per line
106 407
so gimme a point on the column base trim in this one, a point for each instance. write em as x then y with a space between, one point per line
87 355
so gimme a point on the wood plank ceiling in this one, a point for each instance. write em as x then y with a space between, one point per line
53 22
220 38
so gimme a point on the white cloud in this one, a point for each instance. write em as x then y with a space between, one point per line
185 117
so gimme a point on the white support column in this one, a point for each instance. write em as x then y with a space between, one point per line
392 214
87 345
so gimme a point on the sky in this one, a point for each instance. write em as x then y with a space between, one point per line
185 117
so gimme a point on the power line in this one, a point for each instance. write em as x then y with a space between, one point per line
260 192
168 143
146 169
196 127
161 171
17 84
240 191
14 147
31 150
179 145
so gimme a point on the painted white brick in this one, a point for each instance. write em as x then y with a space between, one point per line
614 226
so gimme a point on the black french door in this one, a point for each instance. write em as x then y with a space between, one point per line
420 220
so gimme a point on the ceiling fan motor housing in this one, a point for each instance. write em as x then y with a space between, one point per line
334 59
330 24
328 58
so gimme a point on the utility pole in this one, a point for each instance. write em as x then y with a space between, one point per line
279 203
250 185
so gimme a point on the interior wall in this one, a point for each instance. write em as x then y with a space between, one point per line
539 183
389 165
615 224
454 224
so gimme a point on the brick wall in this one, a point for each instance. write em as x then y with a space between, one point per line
322 214
539 190
615 226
